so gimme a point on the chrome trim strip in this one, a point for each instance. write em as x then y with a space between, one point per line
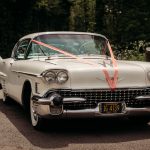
46 101
144 97
26 73
95 90
100 90
73 100
3 75
42 101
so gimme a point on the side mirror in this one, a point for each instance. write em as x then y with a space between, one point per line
21 50
147 54
19 54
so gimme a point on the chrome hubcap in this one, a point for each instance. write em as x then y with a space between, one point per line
34 116
34 112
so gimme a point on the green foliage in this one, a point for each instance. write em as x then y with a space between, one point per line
82 16
41 4
124 22
18 18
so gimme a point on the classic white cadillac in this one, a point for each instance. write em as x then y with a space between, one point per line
74 74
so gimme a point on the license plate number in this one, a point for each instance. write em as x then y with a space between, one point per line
110 108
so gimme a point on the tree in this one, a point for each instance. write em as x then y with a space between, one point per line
124 22
82 15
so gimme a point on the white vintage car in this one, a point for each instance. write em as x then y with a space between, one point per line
74 74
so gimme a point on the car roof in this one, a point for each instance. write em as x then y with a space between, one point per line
33 35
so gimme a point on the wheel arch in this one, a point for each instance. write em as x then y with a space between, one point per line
26 94
0 86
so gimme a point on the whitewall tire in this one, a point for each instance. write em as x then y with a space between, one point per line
36 121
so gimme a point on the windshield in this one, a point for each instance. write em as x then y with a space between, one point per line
76 44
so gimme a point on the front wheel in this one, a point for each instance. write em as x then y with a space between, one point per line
36 121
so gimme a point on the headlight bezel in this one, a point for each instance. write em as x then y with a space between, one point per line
55 73
49 74
62 73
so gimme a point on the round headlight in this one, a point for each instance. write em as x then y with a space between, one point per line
50 77
148 75
62 77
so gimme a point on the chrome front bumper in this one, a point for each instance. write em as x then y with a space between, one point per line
42 108
137 102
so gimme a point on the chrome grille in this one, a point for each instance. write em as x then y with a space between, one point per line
4 86
95 96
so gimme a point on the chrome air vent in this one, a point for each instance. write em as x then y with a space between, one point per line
4 86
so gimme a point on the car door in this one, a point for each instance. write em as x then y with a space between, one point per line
18 55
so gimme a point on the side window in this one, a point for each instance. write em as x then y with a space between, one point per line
21 49
35 50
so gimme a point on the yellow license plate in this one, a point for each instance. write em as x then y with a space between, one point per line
110 108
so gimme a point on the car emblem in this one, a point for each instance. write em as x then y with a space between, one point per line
112 78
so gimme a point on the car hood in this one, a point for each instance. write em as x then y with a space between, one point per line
83 75
86 76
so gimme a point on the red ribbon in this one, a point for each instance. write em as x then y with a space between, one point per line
112 81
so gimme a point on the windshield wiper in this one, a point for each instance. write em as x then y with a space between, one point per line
58 55
96 55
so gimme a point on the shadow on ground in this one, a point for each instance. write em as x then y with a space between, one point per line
61 133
